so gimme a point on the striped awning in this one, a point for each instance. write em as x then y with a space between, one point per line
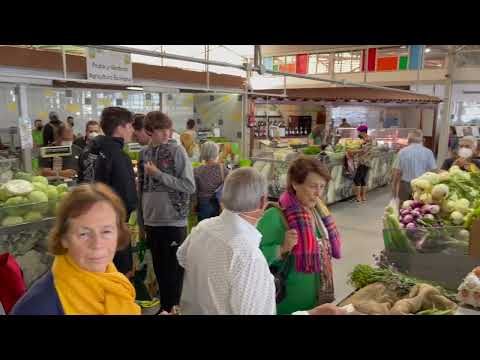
350 94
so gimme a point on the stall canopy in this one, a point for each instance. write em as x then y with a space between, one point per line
347 94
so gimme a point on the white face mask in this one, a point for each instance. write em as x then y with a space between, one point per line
92 135
465 153
67 143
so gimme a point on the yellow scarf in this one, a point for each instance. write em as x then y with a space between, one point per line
84 292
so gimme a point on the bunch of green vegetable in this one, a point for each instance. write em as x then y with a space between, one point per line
435 311
311 150
363 275
394 236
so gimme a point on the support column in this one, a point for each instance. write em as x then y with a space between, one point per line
25 128
447 109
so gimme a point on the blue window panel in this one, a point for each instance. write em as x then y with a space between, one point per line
416 57
268 63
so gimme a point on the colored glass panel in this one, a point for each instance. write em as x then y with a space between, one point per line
403 63
387 63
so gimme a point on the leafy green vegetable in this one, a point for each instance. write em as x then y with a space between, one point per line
435 311
363 275
311 150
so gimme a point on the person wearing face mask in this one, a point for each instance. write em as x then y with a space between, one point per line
37 134
466 156
65 166
225 249
165 184
300 236
92 130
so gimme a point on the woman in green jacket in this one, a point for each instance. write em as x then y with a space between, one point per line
301 235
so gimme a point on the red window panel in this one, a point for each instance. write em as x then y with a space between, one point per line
302 63
372 59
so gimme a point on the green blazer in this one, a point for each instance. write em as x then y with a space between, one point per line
302 289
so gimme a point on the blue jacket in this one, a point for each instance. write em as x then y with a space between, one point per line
40 299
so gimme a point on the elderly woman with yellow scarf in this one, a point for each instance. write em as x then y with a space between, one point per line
83 279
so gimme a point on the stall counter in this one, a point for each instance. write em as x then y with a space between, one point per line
274 167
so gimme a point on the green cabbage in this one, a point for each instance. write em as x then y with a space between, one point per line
13 206
40 179
23 176
37 196
12 220
3 193
52 193
62 188
32 216
18 187
40 187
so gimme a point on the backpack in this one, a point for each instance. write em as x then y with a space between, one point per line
95 167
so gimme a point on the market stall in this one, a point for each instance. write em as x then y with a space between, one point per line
430 265
272 149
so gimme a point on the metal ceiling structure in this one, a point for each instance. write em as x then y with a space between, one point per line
247 67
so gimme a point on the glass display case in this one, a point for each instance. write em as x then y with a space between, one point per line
392 138
273 164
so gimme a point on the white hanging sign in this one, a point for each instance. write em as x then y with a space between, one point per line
109 67
25 132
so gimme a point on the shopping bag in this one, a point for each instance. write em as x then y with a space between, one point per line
394 203
11 279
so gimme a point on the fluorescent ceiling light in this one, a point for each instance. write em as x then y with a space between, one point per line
134 88
427 50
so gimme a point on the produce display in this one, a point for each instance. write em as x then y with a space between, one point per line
383 291
274 166
469 290
439 218
29 198
345 145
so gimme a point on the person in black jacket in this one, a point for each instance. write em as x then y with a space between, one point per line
50 130
105 161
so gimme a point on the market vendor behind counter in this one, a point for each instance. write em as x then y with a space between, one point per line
65 166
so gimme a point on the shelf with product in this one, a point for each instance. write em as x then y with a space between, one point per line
27 213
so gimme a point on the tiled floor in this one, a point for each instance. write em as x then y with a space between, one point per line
360 226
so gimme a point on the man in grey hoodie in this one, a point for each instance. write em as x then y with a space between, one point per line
165 181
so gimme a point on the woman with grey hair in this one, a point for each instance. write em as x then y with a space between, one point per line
208 178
